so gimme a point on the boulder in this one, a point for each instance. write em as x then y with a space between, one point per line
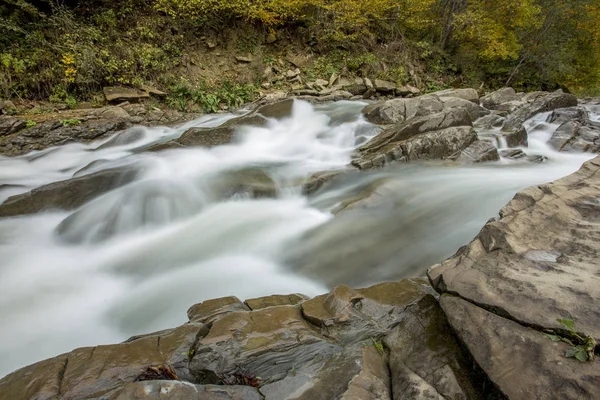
508 285
562 115
221 135
520 361
384 87
490 121
577 136
69 194
465 94
54 133
357 87
117 94
209 311
10 125
493 100
478 151
541 104
432 145
475 111
407 90
515 137
513 154
399 110
415 126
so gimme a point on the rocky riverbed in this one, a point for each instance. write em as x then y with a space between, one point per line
113 237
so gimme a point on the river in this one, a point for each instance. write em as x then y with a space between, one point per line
133 260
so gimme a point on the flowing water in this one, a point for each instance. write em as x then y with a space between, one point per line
133 260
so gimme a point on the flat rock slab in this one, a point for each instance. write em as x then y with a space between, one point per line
521 361
537 263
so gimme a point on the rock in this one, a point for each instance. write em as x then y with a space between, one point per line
465 94
221 135
244 59
10 125
319 179
121 93
113 112
271 38
211 44
513 154
426 360
274 353
516 137
333 79
385 87
415 126
562 115
432 145
291 74
545 103
493 100
7 107
407 90
357 87
398 110
322 83
67 195
478 151
577 136
520 361
176 390
475 111
278 110
152 90
135 110
534 279
490 121
350 316
275 300
509 107
209 311
102 371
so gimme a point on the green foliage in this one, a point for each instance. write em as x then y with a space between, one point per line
582 348
379 346
70 122
211 98
30 123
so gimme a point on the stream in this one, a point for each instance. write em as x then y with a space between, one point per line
135 259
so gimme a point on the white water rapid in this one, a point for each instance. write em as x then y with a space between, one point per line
133 260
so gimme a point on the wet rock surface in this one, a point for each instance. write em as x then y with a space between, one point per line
83 126
68 194
348 344
508 285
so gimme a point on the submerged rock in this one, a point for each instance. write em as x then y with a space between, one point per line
69 194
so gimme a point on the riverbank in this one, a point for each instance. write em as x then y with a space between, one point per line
301 197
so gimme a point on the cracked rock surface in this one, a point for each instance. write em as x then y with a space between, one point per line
390 341
513 282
